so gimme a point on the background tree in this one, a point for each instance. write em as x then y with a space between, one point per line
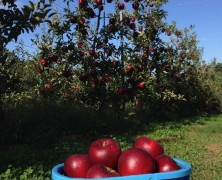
13 22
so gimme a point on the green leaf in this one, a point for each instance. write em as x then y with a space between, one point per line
52 14
47 11
39 15
37 6
46 6
8 171
32 5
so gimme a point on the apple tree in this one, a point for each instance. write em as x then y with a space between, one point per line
13 22
116 53
112 54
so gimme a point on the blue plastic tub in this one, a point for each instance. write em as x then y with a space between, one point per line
182 174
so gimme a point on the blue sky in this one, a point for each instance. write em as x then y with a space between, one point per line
206 15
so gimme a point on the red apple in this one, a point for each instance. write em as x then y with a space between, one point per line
106 78
43 62
141 85
151 4
79 44
135 5
121 90
81 2
81 21
39 70
149 145
2 40
48 86
140 28
126 21
121 6
65 48
96 55
77 165
91 12
112 20
135 161
53 57
152 49
169 33
165 164
73 19
111 28
132 25
91 52
104 151
100 171
98 2
109 52
132 19
129 68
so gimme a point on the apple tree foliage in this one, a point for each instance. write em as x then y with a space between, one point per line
130 54
13 22
116 53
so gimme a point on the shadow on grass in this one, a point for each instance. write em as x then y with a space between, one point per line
44 134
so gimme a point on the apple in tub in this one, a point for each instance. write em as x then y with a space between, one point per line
105 151
77 165
105 158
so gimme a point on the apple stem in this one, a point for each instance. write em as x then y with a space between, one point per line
104 144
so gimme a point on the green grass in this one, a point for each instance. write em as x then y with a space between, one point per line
34 139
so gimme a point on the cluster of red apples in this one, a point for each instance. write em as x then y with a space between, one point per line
106 159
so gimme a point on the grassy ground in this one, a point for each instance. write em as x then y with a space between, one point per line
31 145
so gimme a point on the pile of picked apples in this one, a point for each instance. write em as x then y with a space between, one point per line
106 159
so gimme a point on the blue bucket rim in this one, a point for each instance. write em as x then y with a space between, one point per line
183 172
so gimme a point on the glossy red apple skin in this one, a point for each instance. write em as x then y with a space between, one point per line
121 6
169 33
105 151
73 19
121 90
128 68
98 2
100 171
165 163
43 62
134 161
149 145
141 85
48 86
39 70
77 165
135 5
